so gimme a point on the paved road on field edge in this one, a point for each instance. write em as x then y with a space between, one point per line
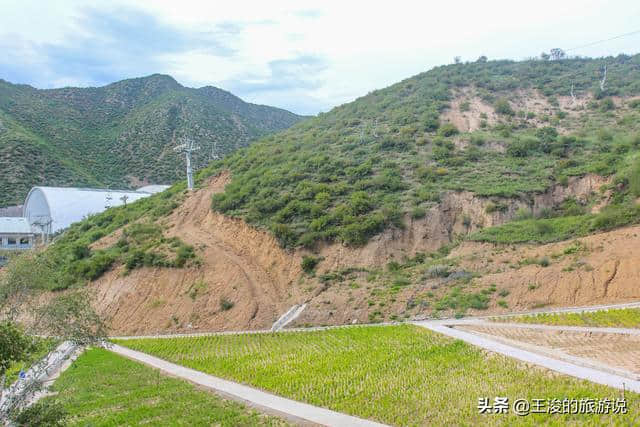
562 366
267 402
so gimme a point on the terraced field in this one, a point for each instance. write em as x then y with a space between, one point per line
401 375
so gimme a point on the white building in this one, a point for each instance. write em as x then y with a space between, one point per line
51 209
15 234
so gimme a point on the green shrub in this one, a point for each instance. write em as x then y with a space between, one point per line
183 254
503 107
225 304
42 413
607 105
134 260
80 251
448 129
615 216
309 263
418 212
634 179
285 235
523 213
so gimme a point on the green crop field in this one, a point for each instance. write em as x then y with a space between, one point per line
102 388
624 318
402 375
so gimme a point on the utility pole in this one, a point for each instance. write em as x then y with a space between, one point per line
44 224
214 151
187 147
604 78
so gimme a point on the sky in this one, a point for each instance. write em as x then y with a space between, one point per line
304 56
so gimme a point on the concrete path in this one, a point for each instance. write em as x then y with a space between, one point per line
267 402
443 321
291 315
257 331
579 309
594 329
564 367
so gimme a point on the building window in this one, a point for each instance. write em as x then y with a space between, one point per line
24 241
11 241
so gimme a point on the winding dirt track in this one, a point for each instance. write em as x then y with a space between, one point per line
239 264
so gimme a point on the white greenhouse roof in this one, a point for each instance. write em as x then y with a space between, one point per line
153 189
66 205
14 225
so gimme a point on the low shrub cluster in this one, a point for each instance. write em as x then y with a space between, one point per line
560 228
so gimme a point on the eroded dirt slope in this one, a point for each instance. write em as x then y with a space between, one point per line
246 280
598 269
240 265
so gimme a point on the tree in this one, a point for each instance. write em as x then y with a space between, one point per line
68 317
502 106
557 53
544 56
457 59
14 346
482 59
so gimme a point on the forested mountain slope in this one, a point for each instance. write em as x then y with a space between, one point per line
119 135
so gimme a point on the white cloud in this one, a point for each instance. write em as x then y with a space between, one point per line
362 45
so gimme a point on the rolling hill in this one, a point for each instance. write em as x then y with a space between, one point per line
468 188
119 135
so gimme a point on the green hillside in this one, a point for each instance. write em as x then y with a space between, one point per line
361 168
118 135
371 165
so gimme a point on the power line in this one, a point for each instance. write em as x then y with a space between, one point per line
603 41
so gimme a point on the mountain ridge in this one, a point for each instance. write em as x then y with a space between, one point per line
119 134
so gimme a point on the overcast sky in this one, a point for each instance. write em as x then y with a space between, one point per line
300 55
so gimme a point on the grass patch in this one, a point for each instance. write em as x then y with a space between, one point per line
102 388
623 318
402 375
560 228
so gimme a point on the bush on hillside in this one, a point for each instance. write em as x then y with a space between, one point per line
503 107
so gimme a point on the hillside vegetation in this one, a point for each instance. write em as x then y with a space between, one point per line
120 135
390 160
366 166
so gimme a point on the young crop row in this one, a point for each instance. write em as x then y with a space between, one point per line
102 388
402 375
